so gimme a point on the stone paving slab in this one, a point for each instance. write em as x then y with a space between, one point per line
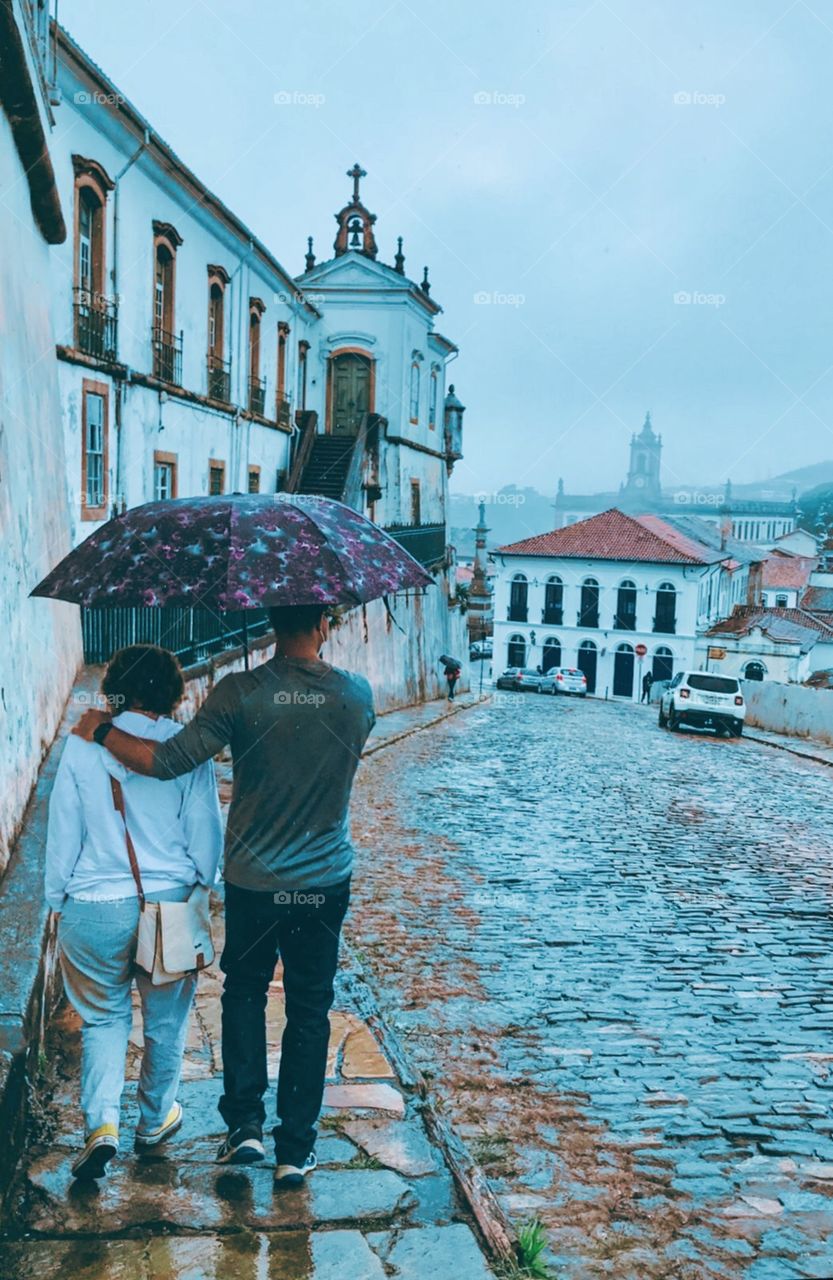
441 1253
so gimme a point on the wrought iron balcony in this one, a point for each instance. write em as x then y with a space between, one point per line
94 323
167 355
517 613
588 618
425 542
257 395
665 624
219 379
552 615
282 413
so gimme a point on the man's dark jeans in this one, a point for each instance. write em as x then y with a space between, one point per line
302 927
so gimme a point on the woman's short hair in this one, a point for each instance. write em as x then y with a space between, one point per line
143 675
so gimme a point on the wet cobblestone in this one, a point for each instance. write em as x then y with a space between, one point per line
612 948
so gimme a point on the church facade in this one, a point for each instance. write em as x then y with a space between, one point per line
192 362
749 520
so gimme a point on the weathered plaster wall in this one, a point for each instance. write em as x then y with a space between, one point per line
41 646
790 708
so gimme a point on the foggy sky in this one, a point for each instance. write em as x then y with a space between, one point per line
577 165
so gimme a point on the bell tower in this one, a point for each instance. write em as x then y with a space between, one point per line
643 482
355 222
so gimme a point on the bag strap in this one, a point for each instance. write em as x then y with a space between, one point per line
118 805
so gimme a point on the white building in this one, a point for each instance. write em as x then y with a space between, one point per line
758 643
616 596
191 362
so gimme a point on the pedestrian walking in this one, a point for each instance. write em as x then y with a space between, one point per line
103 823
453 671
297 727
647 684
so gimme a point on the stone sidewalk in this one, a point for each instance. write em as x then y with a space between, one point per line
383 1203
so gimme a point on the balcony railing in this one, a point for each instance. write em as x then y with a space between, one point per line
167 355
665 624
517 613
552 615
425 542
282 413
257 395
219 379
94 324
588 618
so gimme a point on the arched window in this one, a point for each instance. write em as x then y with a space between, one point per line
516 652
167 348
94 315
414 394
433 392
553 601
552 653
303 348
589 609
518 598
625 619
588 657
754 671
219 387
257 385
665 619
662 667
281 395
623 669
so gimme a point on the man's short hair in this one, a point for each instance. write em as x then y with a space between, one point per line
295 619
143 675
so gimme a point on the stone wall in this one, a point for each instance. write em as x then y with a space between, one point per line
790 708
41 647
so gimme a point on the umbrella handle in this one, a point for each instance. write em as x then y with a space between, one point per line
245 642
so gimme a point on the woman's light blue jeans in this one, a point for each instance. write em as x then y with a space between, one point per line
97 943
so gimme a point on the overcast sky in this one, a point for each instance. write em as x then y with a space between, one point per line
571 172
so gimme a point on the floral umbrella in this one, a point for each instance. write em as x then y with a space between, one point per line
240 551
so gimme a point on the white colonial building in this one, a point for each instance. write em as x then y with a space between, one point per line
192 362
616 596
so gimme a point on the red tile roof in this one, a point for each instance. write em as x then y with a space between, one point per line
611 535
782 570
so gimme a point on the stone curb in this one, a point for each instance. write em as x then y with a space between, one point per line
785 746
459 706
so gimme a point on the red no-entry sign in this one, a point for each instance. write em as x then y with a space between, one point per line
641 650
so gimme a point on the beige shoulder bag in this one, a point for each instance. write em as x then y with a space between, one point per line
174 938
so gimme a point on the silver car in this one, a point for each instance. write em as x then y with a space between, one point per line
569 680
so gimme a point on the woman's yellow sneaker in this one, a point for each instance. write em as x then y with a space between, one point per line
99 1149
172 1122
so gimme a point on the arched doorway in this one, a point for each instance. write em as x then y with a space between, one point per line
516 652
588 657
351 384
623 663
552 653
662 667
754 671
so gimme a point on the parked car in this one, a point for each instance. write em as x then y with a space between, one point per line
704 700
480 649
525 680
569 680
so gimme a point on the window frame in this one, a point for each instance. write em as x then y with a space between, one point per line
251 471
164 459
90 386
217 464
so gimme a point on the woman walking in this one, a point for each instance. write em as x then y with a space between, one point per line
176 833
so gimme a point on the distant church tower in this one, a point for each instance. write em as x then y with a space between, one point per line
642 486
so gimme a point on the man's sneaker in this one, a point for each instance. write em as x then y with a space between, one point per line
152 1137
99 1149
242 1146
292 1175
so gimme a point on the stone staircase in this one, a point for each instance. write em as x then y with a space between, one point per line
329 462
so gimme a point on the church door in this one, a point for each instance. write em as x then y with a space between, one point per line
350 393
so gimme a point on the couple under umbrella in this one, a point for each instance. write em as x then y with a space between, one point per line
134 817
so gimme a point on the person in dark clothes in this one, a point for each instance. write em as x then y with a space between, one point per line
647 683
452 675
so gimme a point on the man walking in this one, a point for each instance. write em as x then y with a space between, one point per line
297 727
647 685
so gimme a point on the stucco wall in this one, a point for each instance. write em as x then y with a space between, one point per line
790 708
41 641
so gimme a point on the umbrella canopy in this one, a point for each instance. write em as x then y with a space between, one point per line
240 551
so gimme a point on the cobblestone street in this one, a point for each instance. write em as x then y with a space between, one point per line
613 948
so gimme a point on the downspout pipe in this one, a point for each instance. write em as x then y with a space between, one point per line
120 502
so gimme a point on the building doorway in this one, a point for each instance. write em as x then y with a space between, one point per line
516 654
350 392
588 657
754 671
552 653
623 666
662 667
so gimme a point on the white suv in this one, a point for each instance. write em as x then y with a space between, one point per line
705 700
